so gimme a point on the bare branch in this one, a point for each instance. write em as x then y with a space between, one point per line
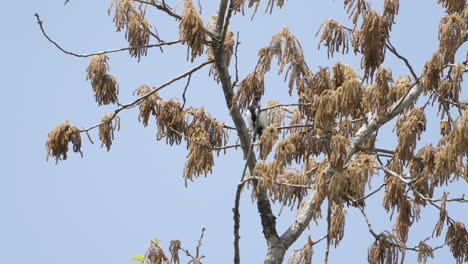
392 49
185 90
163 7
327 249
283 105
236 211
370 194
200 241
235 56
40 22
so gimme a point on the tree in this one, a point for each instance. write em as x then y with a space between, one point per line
327 153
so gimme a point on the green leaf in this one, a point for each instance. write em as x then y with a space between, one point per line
137 257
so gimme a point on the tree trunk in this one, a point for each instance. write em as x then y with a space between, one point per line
275 255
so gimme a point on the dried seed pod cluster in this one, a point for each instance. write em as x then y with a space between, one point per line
384 250
192 31
148 105
104 85
58 139
304 255
109 123
131 16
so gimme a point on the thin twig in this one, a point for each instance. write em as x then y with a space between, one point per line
405 60
235 57
200 241
327 250
284 105
236 211
185 90
40 22
370 194
163 7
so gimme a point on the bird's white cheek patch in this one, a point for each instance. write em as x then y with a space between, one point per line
248 117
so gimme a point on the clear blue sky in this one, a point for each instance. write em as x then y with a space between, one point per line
103 207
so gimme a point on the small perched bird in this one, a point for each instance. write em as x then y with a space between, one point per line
256 119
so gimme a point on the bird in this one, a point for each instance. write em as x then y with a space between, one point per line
256 118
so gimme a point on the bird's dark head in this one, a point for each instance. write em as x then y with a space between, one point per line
256 102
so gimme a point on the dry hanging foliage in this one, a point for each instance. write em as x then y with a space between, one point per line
337 224
432 72
399 89
200 118
346 85
286 187
174 249
170 118
409 129
403 220
310 89
285 151
371 40
340 95
422 171
444 127
275 115
106 129
228 48
338 152
238 4
148 105
446 163
384 250
200 158
424 251
251 87
450 88
453 6
377 96
104 85
355 8
358 173
451 150
58 139
457 240
138 29
267 140
287 48
442 217
192 30
395 189
391 8
335 37
451 30
305 256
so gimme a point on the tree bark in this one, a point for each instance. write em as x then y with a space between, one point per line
275 254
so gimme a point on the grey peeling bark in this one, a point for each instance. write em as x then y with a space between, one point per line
275 250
